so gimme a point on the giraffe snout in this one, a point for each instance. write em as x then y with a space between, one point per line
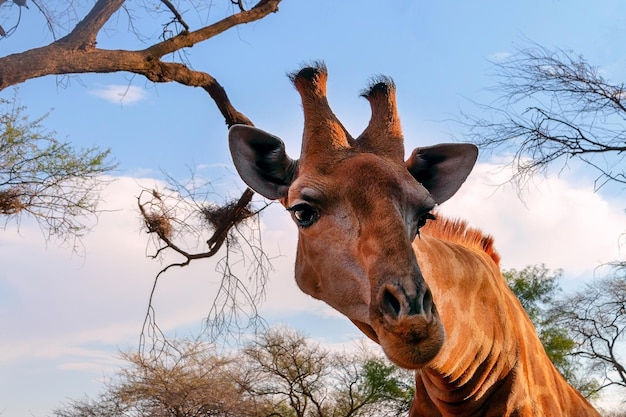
397 303
407 324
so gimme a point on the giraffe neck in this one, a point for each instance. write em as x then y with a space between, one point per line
471 376
436 395
531 387
492 361
480 351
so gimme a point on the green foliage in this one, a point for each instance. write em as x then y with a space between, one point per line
537 289
387 383
558 345
48 179
369 385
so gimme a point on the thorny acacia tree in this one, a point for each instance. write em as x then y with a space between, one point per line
75 50
45 178
301 378
186 378
280 373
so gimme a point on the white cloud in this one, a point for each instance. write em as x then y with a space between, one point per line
558 223
117 93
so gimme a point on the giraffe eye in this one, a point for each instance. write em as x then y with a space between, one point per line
303 214
421 222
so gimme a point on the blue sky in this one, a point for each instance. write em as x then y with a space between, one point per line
63 317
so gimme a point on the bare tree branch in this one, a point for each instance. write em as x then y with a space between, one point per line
84 35
185 223
596 319
178 17
77 52
553 106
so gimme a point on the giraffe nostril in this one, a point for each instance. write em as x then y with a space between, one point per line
390 303
396 303
428 305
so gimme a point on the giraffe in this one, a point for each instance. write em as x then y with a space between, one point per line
429 290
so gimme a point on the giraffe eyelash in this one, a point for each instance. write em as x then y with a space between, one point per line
421 222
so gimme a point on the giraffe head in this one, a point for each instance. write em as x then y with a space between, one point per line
358 207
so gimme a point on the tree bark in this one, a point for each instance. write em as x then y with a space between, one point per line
77 52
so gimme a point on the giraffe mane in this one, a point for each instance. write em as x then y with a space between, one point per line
458 231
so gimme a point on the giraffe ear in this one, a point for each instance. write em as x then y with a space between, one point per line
442 169
261 161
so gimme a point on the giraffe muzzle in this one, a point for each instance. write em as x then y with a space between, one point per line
397 303
407 324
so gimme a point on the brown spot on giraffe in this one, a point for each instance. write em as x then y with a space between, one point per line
434 298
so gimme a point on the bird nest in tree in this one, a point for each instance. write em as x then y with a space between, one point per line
159 224
10 201
219 216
